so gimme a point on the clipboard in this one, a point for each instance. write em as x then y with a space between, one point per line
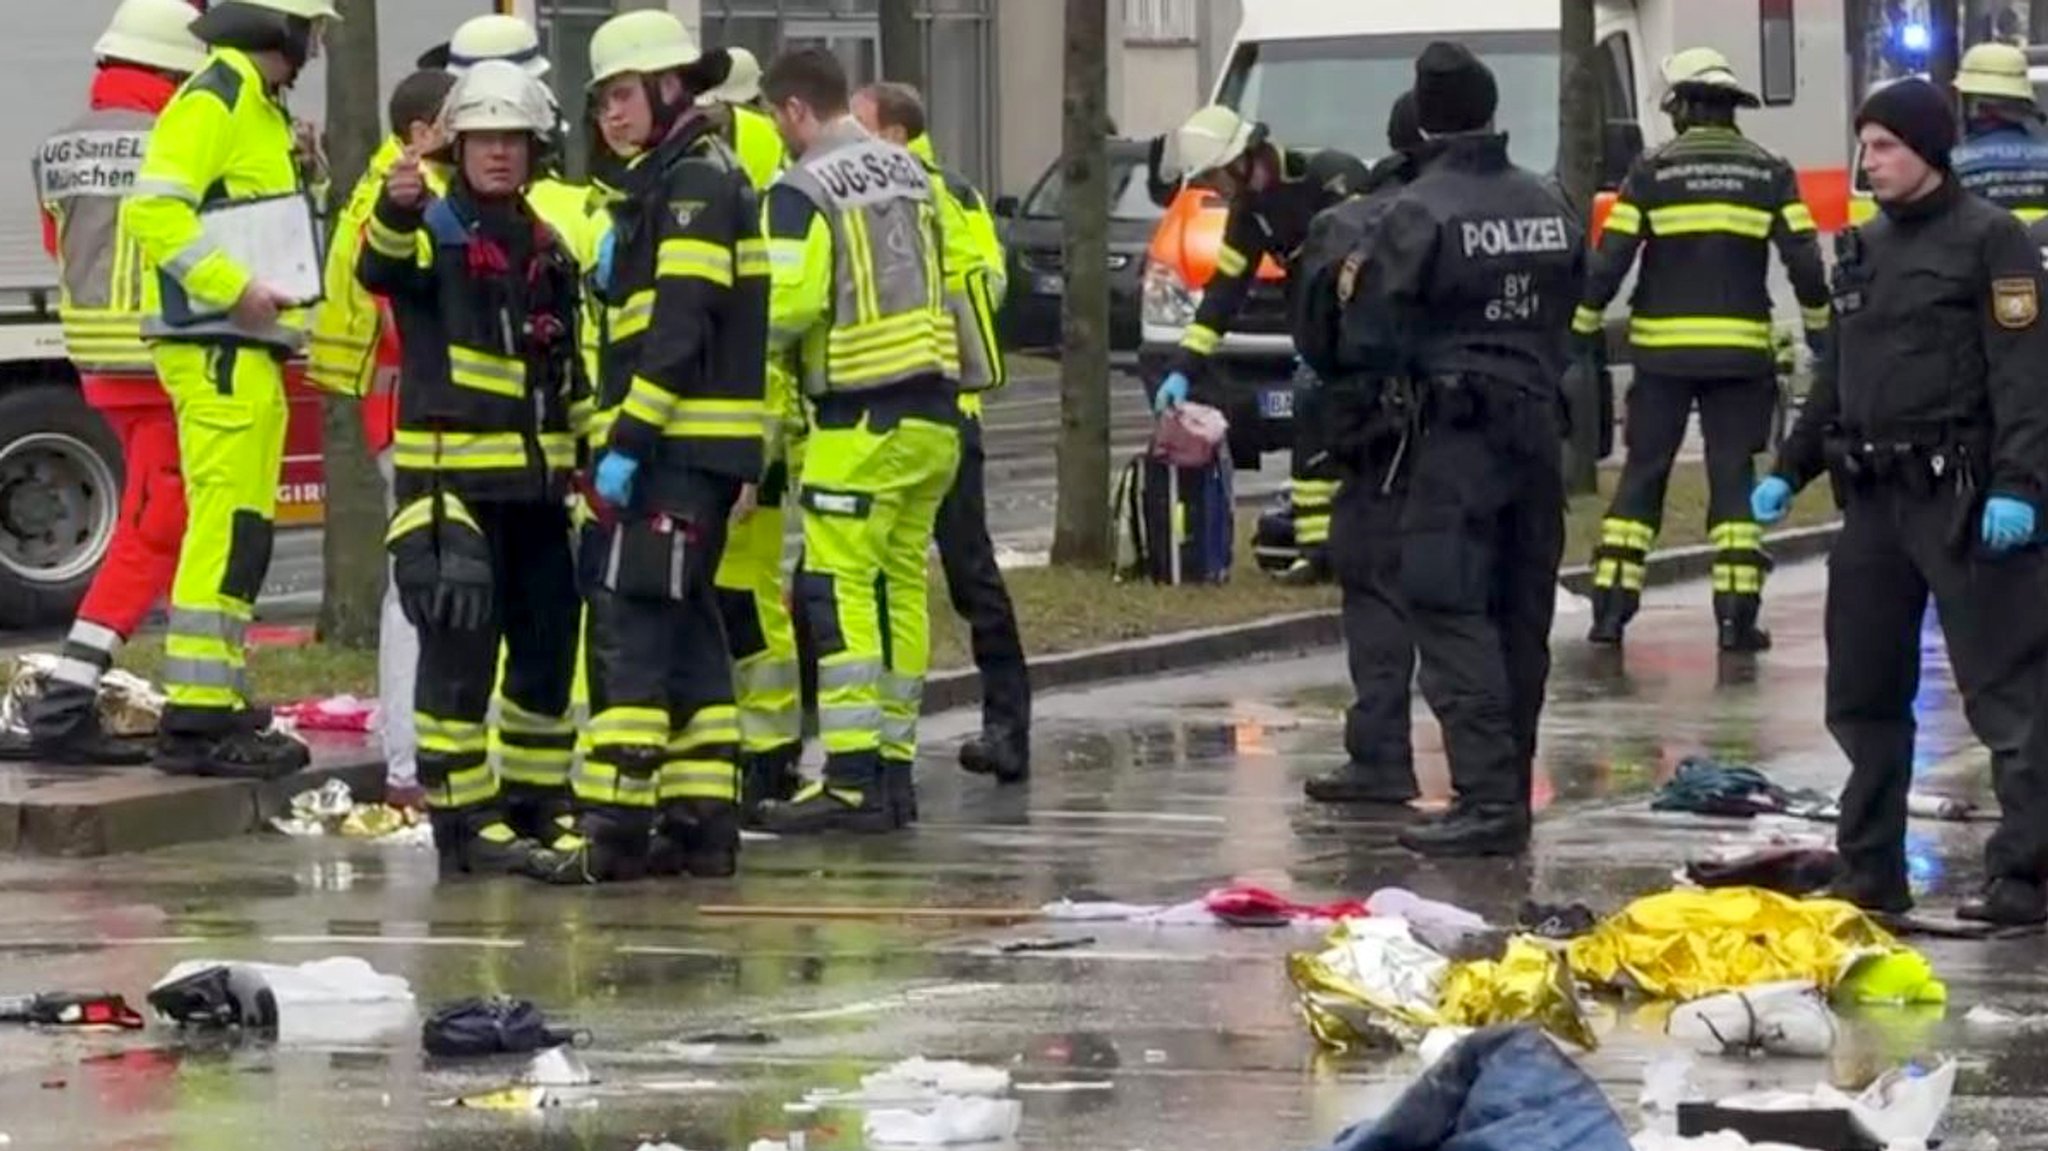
276 238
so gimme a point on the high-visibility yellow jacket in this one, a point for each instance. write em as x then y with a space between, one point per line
976 272
225 137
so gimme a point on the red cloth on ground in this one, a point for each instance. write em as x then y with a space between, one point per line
1251 906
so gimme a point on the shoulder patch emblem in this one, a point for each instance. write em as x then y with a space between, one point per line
2015 302
685 211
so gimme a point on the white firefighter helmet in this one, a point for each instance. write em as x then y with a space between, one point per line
304 9
742 82
1995 70
1210 139
496 37
1707 70
646 42
499 96
153 33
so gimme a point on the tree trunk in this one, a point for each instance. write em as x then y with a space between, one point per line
1081 535
1943 45
902 43
353 549
1579 133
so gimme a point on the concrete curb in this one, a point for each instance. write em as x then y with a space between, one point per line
139 810
1289 635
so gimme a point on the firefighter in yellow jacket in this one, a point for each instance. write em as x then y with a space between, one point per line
860 292
976 269
683 400
220 342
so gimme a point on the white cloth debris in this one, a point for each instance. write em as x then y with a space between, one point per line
918 1076
558 1067
953 1121
1718 1141
767 1145
1401 903
342 1000
1789 1019
1901 1108
1985 1015
664 1145
1193 913
1668 1082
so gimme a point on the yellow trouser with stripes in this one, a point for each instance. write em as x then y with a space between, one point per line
759 629
870 497
231 412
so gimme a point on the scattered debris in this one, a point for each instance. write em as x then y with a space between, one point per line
1063 1087
1556 920
558 1067
1703 786
1043 944
1789 1019
340 713
524 1098
496 1026
738 1038
129 705
952 1121
96 1010
338 1000
918 1077
332 810
1240 905
1985 1015
1902 1108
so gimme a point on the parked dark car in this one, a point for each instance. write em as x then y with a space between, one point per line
1031 232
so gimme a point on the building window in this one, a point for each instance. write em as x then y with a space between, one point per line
1780 52
1160 22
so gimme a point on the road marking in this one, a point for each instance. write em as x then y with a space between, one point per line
397 941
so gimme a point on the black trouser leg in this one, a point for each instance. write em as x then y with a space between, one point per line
1875 602
1365 550
1994 617
1735 419
975 584
536 735
1526 596
1657 408
1451 542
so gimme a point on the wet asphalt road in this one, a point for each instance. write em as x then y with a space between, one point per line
1145 791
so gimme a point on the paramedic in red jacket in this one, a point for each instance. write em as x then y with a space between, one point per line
146 52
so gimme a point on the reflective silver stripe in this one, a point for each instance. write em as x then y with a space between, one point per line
202 624
99 637
202 673
769 675
276 335
170 189
786 725
896 686
841 676
855 718
899 729
187 258
76 672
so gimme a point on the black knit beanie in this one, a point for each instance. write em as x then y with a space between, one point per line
1404 129
1918 113
1454 92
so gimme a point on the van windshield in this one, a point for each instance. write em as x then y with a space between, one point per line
1335 92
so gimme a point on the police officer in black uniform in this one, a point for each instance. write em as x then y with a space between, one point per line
1273 192
1931 417
1355 420
1705 210
1466 289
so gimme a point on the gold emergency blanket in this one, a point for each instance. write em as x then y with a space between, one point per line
1687 944
1373 987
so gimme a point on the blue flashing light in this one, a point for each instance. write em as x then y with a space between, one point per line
1915 37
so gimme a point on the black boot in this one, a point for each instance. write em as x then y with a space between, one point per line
1878 897
1736 615
2008 903
478 841
852 797
605 845
768 777
64 729
1472 829
535 812
240 754
1613 607
699 837
899 784
1361 783
1311 570
1004 754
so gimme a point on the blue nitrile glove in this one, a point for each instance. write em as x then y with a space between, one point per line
2008 523
607 248
1173 391
615 474
1770 500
